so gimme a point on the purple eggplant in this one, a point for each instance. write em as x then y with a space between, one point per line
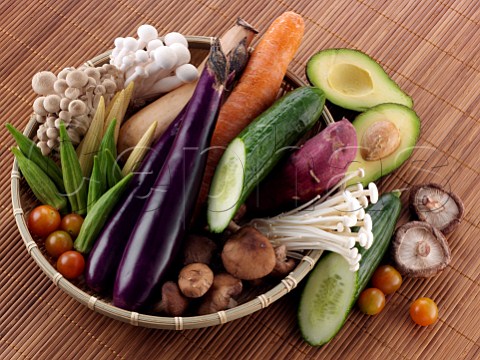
156 239
103 260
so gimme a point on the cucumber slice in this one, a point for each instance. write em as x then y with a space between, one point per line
227 185
327 299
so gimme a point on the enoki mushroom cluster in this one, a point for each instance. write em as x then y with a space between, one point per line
326 223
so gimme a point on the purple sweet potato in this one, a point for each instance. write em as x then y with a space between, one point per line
314 168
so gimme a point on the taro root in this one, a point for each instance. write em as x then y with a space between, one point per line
440 208
195 279
420 250
248 254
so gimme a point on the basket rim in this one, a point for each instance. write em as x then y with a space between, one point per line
145 320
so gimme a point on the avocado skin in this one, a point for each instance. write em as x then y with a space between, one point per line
409 126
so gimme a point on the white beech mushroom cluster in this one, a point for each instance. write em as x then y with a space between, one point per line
71 97
154 65
326 223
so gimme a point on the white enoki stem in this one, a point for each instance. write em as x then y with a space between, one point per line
325 223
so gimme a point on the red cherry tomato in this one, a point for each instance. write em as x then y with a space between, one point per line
71 264
72 223
371 301
58 242
387 279
424 311
43 220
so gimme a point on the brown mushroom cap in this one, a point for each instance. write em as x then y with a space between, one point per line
173 302
283 265
220 296
440 208
420 250
198 249
248 254
195 279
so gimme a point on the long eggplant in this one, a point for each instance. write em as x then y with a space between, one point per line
158 233
103 260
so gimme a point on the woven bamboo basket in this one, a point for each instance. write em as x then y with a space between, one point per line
23 201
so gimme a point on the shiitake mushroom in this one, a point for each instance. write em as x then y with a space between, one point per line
440 208
420 250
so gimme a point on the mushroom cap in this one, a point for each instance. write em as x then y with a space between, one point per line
420 250
52 103
182 53
72 93
187 73
147 32
77 108
198 249
110 86
195 279
77 79
42 82
38 107
165 57
440 208
93 73
219 297
60 86
248 254
153 44
173 302
175 37
283 265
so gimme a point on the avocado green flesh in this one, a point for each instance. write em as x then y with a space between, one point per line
353 80
408 125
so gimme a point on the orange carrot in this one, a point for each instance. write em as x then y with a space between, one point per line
256 90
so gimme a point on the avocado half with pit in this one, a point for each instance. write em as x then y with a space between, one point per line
353 80
386 137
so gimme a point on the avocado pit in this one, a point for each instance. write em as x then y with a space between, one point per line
379 140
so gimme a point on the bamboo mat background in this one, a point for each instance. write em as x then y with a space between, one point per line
431 48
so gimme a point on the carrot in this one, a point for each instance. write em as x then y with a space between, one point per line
256 90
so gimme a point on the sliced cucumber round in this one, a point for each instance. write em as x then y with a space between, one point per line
227 185
326 300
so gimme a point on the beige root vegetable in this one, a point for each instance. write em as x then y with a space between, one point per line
195 279
173 302
248 254
221 295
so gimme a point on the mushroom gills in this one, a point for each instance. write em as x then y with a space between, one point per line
438 207
420 250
